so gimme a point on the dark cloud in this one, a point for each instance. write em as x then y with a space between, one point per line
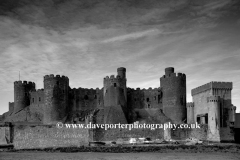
73 14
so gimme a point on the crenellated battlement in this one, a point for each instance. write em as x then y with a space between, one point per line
84 91
221 85
181 75
38 90
112 78
24 83
190 104
143 89
212 85
51 76
114 81
214 99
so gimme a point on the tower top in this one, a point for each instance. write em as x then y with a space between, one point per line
169 70
121 72
121 69
51 76
212 85
24 83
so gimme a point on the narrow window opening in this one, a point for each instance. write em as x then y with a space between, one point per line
115 85
39 99
206 119
159 99
198 120
147 99
58 83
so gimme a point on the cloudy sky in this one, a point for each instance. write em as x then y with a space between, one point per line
87 40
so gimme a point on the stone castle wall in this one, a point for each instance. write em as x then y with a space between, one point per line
184 133
125 134
37 97
84 99
11 107
201 103
43 136
144 98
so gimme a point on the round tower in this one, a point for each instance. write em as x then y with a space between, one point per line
56 98
232 111
115 97
190 113
21 94
121 72
174 95
123 83
114 91
118 81
214 118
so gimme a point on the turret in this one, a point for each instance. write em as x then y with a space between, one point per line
11 107
115 95
55 98
232 111
121 72
214 118
118 81
190 113
169 71
21 94
114 88
174 95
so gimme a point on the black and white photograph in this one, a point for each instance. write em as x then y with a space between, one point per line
119 79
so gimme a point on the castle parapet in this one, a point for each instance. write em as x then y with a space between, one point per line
212 85
182 75
51 76
24 83
112 80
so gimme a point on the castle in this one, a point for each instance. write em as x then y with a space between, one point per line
117 103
